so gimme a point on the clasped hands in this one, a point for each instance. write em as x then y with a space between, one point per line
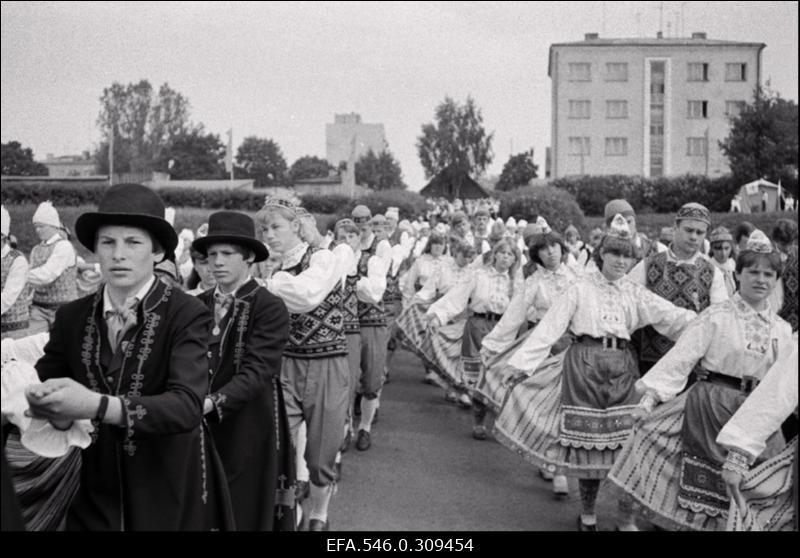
61 401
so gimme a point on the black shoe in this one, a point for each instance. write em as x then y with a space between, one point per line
364 442
301 490
582 526
346 443
318 525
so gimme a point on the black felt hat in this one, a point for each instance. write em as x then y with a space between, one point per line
231 227
130 205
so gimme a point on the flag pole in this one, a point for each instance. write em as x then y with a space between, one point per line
111 158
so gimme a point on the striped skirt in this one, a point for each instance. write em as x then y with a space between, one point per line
475 330
491 389
664 468
543 420
769 494
45 487
411 328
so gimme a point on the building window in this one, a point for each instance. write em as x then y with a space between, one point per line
657 88
734 108
698 71
695 147
617 71
580 71
616 109
579 146
697 109
580 109
736 72
616 146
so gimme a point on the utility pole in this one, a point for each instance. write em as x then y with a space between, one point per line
111 158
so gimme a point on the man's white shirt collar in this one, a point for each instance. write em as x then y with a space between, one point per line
109 307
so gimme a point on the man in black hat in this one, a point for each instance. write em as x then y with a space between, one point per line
245 408
132 358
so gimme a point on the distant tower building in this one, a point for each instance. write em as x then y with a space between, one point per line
339 145
652 107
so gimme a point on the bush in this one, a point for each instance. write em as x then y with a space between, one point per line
410 204
71 194
558 207
325 203
650 195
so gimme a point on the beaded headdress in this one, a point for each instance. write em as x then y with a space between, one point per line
619 227
759 243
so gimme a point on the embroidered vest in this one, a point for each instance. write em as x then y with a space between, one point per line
789 277
369 315
320 332
648 249
64 289
394 240
350 305
16 317
685 286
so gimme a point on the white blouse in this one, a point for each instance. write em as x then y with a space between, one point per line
305 291
541 290
728 338
597 307
485 290
765 409
423 268
448 275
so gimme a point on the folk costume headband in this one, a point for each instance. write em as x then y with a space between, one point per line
694 211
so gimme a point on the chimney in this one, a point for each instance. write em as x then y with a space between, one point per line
699 35
590 36
659 35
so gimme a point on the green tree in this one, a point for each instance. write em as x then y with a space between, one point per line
518 171
193 154
379 172
18 161
457 142
309 166
143 124
262 160
763 138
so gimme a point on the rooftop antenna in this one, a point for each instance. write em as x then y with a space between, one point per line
661 17
604 19
683 21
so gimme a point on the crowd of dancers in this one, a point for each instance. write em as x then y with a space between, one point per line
214 379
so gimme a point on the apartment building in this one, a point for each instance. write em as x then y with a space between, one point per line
651 107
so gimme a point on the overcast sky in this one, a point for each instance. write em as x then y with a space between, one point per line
282 70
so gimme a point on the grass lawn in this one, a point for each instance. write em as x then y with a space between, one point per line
192 218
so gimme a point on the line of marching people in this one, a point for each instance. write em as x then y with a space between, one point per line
626 360
228 372
213 396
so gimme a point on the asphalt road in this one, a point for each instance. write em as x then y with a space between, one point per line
425 472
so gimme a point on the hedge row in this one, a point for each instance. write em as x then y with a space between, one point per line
557 207
410 204
650 195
